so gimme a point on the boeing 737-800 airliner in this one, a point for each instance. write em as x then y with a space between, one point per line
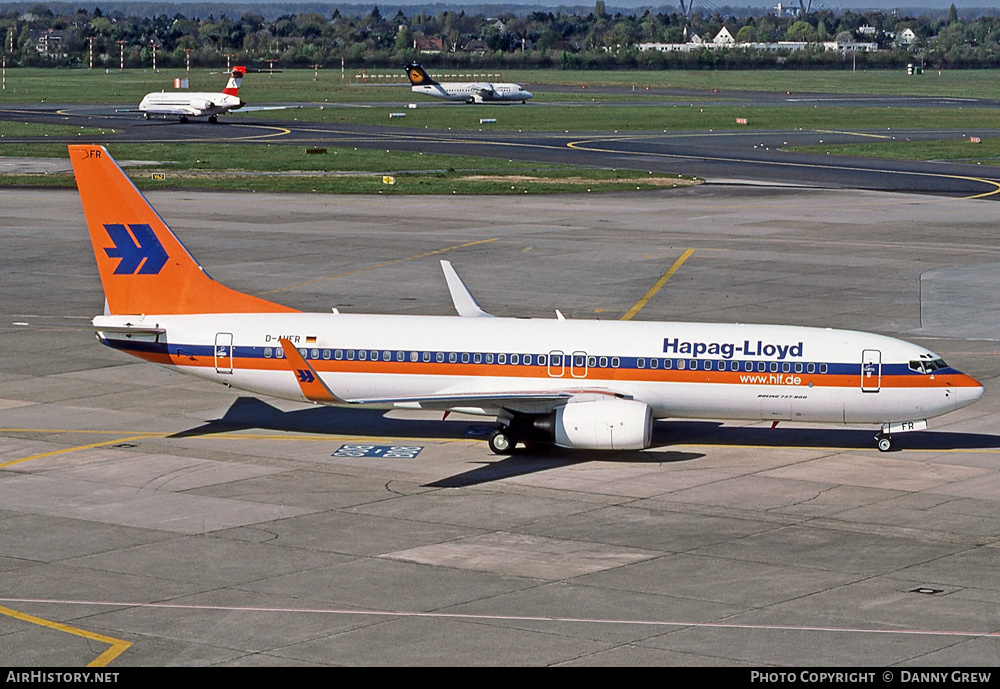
574 383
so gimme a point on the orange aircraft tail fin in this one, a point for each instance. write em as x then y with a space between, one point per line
144 268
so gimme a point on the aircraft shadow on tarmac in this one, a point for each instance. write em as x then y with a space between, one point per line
249 412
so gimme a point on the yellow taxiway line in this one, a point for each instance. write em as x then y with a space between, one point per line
117 646
656 288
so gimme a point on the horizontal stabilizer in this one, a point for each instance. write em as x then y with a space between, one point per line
130 330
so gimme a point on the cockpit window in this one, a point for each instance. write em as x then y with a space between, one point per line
927 365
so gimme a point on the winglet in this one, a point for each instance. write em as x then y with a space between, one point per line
465 303
312 386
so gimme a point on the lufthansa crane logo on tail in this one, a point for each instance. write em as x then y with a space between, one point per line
415 76
138 248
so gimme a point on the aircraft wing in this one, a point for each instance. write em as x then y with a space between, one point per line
529 401
260 108
484 89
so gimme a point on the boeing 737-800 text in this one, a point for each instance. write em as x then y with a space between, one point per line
574 383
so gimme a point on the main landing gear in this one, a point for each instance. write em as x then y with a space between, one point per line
502 442
884 442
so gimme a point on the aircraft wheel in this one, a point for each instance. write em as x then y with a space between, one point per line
501 442
884 442
183 120
213 119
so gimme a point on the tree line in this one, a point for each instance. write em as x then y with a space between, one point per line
460 40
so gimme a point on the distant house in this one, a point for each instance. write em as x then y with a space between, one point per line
49 42
906 37
725 41
476 45
724 38
428 46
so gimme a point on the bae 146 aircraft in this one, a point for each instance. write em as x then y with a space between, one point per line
468 92
185 105
575 383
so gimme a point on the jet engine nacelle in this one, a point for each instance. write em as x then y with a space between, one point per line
609 423
202 104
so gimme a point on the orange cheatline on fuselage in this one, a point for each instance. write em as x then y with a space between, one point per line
144 268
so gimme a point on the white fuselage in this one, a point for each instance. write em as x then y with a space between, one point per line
683 370
475 92
189 104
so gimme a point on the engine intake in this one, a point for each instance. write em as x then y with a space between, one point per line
608 423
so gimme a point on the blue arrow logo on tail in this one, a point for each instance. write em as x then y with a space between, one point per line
305 376
148 251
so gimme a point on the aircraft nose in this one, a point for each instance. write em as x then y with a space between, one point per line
971 391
